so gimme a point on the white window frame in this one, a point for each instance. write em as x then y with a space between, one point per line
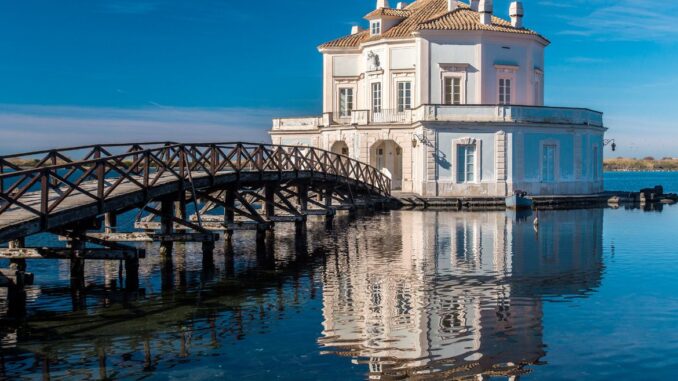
556 161
452 70
502 83
375 27
470 155
506 72
405 107
377 107
462 95
477 165
352 103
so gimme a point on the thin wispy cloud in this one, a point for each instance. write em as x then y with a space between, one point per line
624 20
24 128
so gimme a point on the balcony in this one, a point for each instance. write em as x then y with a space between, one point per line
449 113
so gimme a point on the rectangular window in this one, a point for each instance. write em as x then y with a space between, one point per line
548 164
404 96
504 91
345 102
452 91
466 163
376 97
376 28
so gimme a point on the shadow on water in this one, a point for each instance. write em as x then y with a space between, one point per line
410 294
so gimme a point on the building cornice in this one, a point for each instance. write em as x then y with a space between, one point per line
480 33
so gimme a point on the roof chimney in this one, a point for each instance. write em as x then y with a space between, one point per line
474 5
382 4
516 12
485 10
452 5
401 5
355 29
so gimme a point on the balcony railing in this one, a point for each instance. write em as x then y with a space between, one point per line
449 113
391 116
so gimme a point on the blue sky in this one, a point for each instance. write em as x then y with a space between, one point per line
220 69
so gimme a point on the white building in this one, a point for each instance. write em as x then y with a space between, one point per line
448 99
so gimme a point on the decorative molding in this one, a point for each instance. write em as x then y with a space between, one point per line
506 68
454 67
465 141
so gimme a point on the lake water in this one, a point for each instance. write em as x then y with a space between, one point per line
425 295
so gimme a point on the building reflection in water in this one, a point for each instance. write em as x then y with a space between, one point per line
410 294
455 294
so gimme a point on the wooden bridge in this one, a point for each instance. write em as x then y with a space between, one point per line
181 192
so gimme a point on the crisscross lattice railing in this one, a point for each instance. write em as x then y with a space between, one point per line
41 181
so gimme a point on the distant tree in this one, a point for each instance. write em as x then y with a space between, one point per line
648 158
667 158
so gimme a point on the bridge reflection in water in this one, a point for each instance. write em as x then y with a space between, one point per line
404 294
443 294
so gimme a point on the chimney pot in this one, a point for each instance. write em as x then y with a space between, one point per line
401 5
474 5
382 4
485 10
516 12
452 5
355 29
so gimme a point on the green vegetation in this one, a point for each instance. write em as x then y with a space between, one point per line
621 164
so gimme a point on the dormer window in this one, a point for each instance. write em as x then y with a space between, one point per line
375 27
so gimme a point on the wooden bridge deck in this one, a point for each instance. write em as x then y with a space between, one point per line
18 222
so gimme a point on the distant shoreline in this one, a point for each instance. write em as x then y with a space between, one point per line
647 164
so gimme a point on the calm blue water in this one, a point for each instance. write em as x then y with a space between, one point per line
426 295
634 181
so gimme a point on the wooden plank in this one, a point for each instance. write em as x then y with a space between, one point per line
279 219
118 237
186 237
248 226
207 218
152 237
315 212
59 253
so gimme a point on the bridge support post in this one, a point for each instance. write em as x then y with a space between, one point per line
17 264
269 193
329 217
166 227
180 209
229 214
302 191
77 263
16 296
207 260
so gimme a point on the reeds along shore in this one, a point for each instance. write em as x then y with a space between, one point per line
641 165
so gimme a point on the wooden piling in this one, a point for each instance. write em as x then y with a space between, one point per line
269 194
17 264
166 227
229 214
77 263
302 191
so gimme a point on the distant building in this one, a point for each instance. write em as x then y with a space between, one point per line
448 100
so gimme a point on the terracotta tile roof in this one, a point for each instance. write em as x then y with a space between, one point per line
402 13
429 15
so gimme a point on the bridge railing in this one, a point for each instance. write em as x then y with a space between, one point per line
42 186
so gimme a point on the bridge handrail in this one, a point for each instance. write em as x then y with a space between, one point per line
143 168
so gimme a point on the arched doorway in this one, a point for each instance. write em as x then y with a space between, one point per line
340 147
387 156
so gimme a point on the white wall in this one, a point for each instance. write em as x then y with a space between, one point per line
478 56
